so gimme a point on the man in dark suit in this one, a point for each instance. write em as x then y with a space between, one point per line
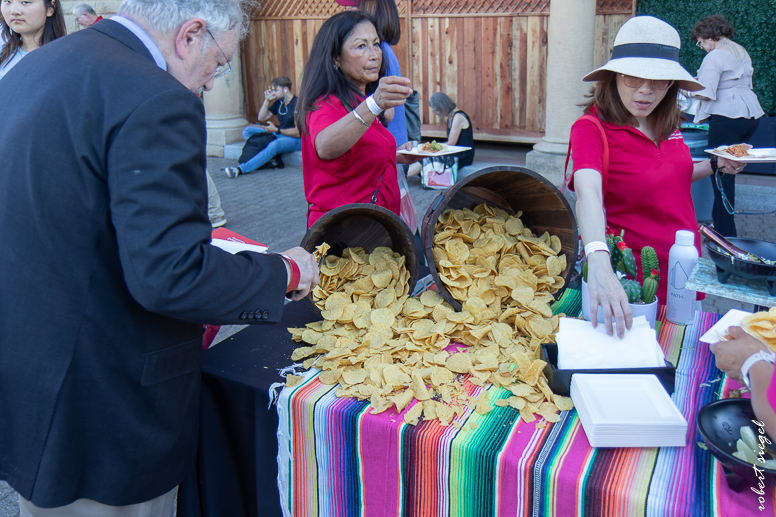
106 272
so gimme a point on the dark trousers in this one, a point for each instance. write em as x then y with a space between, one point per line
727 131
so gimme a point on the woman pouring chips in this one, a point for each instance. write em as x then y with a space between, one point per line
632 170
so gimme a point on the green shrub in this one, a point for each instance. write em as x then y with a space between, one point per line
754 23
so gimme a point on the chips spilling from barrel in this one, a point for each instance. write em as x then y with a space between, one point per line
380 344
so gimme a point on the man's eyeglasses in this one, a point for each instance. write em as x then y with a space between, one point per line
221 70
698 43
634 82
729 208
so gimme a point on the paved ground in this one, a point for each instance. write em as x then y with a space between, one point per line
269 206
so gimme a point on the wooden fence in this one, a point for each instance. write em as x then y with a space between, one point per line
489 56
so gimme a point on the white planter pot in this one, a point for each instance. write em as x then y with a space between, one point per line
647 310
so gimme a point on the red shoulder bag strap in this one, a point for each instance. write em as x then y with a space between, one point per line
605 166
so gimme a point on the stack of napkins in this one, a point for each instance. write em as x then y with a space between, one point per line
582 347
624 410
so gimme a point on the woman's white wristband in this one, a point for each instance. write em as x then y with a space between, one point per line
593 246
371 103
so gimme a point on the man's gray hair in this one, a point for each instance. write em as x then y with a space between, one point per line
82 8
165 16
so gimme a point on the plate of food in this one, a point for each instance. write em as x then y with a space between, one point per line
434 148
745 154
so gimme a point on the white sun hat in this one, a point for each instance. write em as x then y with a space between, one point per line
647 47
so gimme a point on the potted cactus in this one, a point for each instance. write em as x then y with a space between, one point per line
641 295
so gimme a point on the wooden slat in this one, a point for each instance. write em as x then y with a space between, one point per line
476 71
299 57
417 66
451 63
504 64
423 64
487 63
533 86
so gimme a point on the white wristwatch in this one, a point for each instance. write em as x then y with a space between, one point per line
762 355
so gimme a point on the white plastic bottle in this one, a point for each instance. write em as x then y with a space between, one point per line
680 305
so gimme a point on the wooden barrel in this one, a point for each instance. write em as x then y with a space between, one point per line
512 189
367 226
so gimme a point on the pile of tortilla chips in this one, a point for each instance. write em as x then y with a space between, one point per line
382 345
762 325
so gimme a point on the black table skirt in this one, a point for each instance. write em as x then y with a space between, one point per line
236 469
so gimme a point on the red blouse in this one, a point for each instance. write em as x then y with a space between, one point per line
353 177
648 191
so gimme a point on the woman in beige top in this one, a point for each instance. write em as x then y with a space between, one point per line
728 103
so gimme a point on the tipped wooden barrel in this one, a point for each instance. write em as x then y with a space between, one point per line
511 189
367 226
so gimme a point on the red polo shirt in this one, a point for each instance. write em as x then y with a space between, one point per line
648 189
354 176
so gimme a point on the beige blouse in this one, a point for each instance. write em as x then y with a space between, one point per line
728 82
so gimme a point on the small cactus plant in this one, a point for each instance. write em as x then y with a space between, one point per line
632 289
624 262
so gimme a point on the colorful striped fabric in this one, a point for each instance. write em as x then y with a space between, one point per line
336 459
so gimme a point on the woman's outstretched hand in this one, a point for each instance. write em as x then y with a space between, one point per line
392 91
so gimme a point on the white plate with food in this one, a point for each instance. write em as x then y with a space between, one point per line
740 153
434 149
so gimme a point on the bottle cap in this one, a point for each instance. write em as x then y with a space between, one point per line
685 238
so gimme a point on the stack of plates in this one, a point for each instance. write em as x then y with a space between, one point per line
623 410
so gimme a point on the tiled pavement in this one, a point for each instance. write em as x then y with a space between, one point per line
269 206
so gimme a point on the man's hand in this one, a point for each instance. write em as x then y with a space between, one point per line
269 95
271 128
308 272
730 355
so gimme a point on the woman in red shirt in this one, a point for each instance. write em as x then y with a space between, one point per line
647 189
345 101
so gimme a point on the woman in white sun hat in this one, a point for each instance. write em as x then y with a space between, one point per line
644 182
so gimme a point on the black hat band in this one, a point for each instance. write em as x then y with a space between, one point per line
648 50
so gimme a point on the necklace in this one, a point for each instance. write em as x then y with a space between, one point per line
283 105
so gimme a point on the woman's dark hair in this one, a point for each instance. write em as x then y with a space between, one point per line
54 28
442 103
321 79
665 118
713 27
386 15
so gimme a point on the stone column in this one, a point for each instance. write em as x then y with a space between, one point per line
224 109
571 46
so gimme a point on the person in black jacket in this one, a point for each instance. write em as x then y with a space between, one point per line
106 268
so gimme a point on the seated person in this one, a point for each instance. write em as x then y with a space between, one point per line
286 134
459 130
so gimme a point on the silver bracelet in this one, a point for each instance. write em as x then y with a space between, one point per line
359 118
593 246
371 103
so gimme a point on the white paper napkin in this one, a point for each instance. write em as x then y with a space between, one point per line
582 347
236 247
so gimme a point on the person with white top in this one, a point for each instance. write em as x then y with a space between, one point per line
25 26
728 103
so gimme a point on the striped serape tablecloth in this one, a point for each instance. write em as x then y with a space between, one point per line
336 459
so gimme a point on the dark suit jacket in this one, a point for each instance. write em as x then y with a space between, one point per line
106 275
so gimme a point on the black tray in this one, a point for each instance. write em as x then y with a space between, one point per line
560 380
727 265
719 424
